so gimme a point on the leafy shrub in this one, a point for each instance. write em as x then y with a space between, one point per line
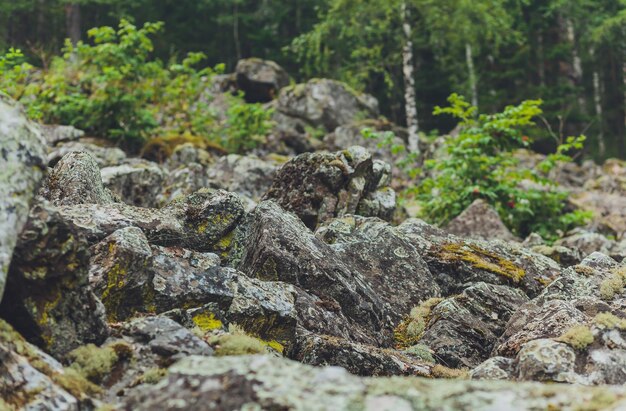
113 88
480 163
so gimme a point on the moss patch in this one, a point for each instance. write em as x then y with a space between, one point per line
614 284
481 259
577 337
154 375
410 330
609 321
95 363
207 322
439 371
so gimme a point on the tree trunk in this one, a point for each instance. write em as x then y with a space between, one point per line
73 22
597 99
542 60
236 29
409 83
577 67
469 58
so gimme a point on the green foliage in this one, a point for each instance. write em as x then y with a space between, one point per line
480 163
246 126
113 88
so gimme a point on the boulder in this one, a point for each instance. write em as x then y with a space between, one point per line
274 245
390 264
586 243
48 298
323 103
320 186
55 134
136 183
260 80
198 383
75 180
247 176
23 167
105 156
480 221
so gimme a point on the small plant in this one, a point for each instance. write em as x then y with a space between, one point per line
577 337
246 126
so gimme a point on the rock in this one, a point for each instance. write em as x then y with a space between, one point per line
358 359
201 221
495 368
462 330
388 261
566 257
260 80
55 134
104 156
318 186
349 135
324 103
546 360
273 245
609 210
32 380
456 262
133 277
182 182
187 154
480 221
586 243
532 322
198 383
136 183
48 297
245 175
76 180
23 167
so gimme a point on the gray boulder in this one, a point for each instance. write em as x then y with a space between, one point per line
136 183
480 221
23 167
260 80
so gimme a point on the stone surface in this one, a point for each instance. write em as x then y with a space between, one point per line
23 167
273 245
318 186
55 134
48 297
136 183
480 221
260 80
104 156
245 175
324 103
75 180
198 383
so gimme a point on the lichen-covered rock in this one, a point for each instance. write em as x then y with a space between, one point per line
260 80
274 245
55 134
245 175
318 186
183 181
456 262
358 359
546 360
23 161
48 297
609 210
75 180
104 156
325 103
566 257
133 277
463 329
387 260
32 380
480 221
532 322
136 183
201 221
586 243
495 368
198 383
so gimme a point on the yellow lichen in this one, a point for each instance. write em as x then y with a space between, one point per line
577 337
481 259
207 322
410 330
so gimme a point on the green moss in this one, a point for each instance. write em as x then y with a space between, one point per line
92 362
154 375
422 352
207 322
614 284
439 371
76 384
609 321
481 259
577 337
238 344
410 330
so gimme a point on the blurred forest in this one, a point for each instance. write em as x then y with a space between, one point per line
569 53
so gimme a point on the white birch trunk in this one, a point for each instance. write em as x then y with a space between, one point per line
469 57
409 83
597 99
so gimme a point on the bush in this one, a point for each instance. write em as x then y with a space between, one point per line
480 163
113 88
